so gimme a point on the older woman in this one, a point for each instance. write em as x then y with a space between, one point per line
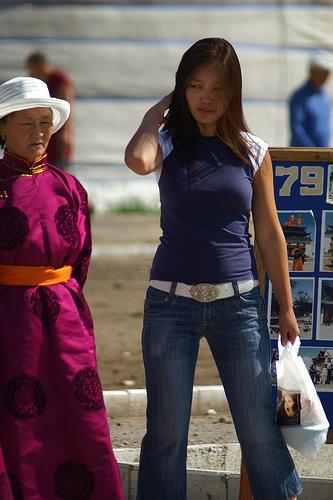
54 438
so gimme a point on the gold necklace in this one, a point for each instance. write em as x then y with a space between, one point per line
27 171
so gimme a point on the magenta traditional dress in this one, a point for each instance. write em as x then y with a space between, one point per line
54 437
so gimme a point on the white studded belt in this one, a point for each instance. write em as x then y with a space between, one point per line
205 292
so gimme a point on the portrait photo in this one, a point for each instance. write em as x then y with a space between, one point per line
288 408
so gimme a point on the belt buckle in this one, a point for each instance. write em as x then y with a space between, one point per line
204 292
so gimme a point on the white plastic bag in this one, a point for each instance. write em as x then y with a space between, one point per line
299 410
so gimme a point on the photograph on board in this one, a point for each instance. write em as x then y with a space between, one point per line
302 294
325 309
326 245
319 363
329 195
288 408
299 229
274 359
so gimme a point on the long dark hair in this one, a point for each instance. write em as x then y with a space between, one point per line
232 123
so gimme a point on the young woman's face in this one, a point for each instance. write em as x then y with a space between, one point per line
205 98
28 132
289 405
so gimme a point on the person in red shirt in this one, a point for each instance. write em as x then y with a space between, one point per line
60 148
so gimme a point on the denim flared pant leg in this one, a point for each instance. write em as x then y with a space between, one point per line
236 330
170 350
239 341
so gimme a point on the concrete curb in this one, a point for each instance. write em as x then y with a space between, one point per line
203 482
132 402
221 485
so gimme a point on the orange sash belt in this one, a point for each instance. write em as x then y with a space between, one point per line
33 275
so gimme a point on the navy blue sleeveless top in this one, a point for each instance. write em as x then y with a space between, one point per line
206 197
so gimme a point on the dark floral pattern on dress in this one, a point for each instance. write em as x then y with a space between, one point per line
82 307
10 488
74 481
25 397
14 228
66 224
80 270
88 389
5 487
45 304
84 209
16 487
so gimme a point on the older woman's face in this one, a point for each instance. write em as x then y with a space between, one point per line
28 132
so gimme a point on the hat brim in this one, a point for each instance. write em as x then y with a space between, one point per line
60 108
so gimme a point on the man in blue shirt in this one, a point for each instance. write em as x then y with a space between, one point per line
309 106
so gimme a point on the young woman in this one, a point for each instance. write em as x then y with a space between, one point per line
288 409
211 173
54 436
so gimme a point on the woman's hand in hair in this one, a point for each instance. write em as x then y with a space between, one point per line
143 153
163 105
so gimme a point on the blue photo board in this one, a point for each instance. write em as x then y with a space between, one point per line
303 185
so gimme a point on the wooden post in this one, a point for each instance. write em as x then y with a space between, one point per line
245 492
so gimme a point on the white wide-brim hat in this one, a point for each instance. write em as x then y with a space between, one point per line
25 92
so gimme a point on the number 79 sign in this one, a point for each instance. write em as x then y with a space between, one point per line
309 179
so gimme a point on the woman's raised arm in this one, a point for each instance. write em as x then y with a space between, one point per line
143 153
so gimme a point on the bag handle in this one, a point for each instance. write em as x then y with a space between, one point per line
289 347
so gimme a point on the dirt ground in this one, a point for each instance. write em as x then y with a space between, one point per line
115 289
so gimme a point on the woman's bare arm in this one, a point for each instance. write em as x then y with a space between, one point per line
272 244
143 153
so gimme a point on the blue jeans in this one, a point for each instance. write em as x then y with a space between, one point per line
237 333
